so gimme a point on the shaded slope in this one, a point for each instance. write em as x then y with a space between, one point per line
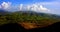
14 27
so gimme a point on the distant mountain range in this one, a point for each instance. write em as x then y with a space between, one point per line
3 12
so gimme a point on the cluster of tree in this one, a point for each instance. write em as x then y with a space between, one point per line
39 18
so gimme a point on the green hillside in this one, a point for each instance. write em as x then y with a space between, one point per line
28 16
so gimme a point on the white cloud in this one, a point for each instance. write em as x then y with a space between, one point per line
34 7
43 8
21 6
5 5
40 8
28 7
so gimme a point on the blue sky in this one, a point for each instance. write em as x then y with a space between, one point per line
25 1
52 5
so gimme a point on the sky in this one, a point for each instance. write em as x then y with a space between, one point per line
46 6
